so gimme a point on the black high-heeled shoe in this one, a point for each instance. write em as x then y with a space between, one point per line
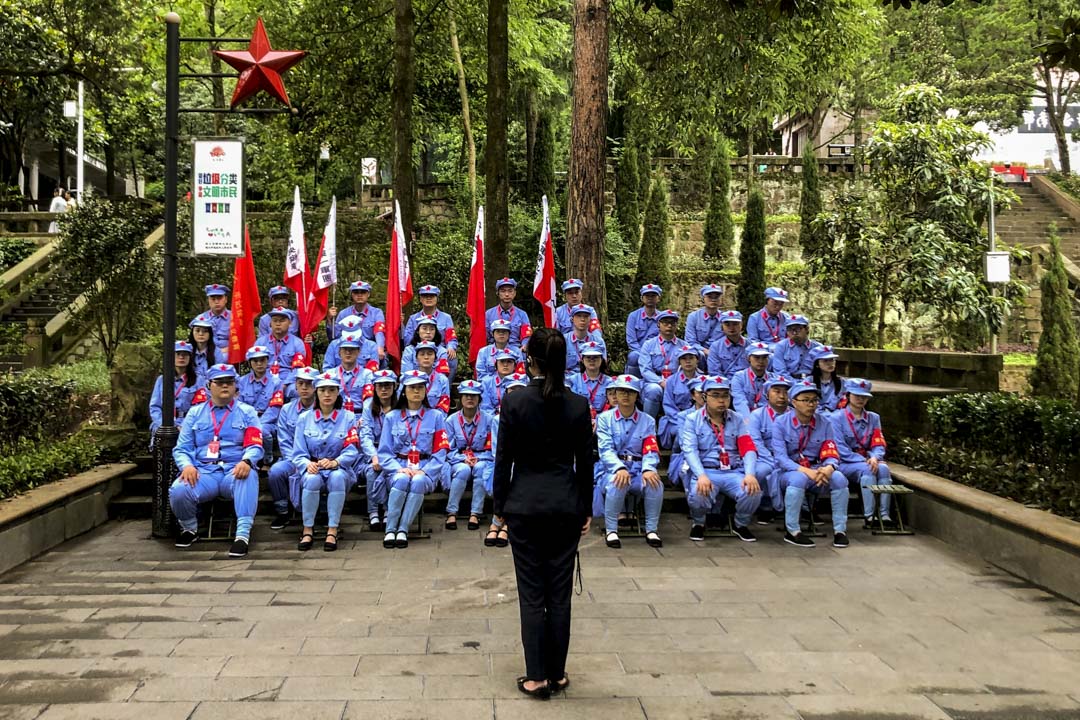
541 693
558 686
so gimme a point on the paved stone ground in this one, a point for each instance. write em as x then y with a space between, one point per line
114 625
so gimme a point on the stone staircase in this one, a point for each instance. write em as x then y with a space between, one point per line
44 303
1028 222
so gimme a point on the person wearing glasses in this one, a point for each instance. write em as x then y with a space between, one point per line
862 447
804 446
748 386
761 431
791 357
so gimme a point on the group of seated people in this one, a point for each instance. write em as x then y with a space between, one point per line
769 425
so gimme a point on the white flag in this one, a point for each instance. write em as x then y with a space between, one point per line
326 275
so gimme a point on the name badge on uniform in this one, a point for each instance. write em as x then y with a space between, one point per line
349 405
213 449
414 458
666 373
469 454
804 461
725 460
275 368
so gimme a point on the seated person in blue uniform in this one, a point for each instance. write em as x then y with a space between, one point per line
494 386
219 446
470 454
264 393
641 325
438 386
376 410
703 325
791 357
429 308
206 354
581 335
368 356
325 451
627 440
761 428
678 468
412 450
571 290
727 354
804 447
497 534
520 329
217 313
185 385
861 444
279 300
353 378
590 378
767 325
716 444
284 478
371 319
748 386
829 384
677 395
287 352
427 331
659 361
485 359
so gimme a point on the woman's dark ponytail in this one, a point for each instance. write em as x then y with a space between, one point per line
547 348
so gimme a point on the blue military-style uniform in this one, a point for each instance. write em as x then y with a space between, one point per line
725 357
485 360
442 320
563 314
702 329
469 439
183 394
640 326
766 328
761 429
266 395
264 320
332 437
286 355
219 323
417 440
791 358
830 396
575 346
371 425
677 398
748 391
593 390
442 359
367 359
520 327
858 439
371 319
628 443
658 361
283 478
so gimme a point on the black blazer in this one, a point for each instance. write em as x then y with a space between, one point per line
543 466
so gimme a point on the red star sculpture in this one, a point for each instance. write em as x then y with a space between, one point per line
260 67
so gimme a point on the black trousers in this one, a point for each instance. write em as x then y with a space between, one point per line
544 548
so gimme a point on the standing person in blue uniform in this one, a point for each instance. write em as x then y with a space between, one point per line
861 445
792 356
628 450
284 478
427 330
206 354
727 355
761 429
352 378
641 325
571 290
592 379
438 387
412 450
677 395
581 335
659 360
279 300
376 410
325 450
371 319
497 534
829 384
185 386
287 352
368 357
677 466
219 446
218 313
470 455
429 307
804 447
264 393
748 386
767 325
716 444
703 325
485 359
520 328
494 386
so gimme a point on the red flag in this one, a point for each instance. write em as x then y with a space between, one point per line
325 275
246 305
544 282
297 273
476 305
398 288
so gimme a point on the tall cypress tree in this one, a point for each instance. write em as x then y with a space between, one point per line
752 255
719 228
1056 374
653 265
809 203
543 180
626 196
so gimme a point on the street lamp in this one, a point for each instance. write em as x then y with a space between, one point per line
74 108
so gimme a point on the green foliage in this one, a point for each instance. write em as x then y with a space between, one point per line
543 159
719 226
33 407
13 251
1021 359
87 377
28 464
752 255
1068 183
653 265
853 274
1025 449
809 203
1056 373
626 196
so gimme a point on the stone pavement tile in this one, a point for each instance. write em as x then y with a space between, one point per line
199 689
309 629
772 627
890 707
418 710
743 707
643 596
1011 679
576 663
43 668
573 707
475 610
208 629
739 641
709 610
108 648
774 683
686 663
21 712
613 609
196 647
868 624
182 562
352 688
443 626
376 613
465 687
606 685
662 626
407 645
1061 640
249 613
904 682
156 575
268 711
1027 625
153 613
796 607
473 644
621 642
1013 707
820 585
731 595
284 666
118 711
676 583
840 640
72 631
988 639
279 586
140 668
209 600
961 659
43 615
5 629
66 690
835 662
408 665
300 563
181 587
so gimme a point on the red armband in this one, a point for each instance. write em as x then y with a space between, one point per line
299 360
745 444
442 367
440 441
594 324
877 439
828 450
368 392
648 445
449 334
371 365
487 442
379 327
526 330
444 403
277 399
520 368
351 438
199 397
253 437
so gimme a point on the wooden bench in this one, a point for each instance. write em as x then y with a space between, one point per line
895 491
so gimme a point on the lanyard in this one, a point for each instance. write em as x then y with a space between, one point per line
753 386
718 434
179 388
863 442
775 332
512 313
408 427
341 376
498 390
278 345
592 393
804 434
216 427
663 352
471 436
623 433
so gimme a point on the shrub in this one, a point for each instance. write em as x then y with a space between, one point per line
29 464
653 265
1056 371
809 203
89 376
626 196
719 225
13 251
752 256
33 407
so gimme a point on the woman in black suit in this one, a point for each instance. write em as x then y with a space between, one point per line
543 484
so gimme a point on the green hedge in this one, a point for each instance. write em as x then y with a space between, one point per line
1023 449
13 251
34 407
27 464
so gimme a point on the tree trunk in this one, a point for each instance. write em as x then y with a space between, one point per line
404 87
110 170
883 305
217 84
532 119
496 171
466 118
588 139
1056 107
